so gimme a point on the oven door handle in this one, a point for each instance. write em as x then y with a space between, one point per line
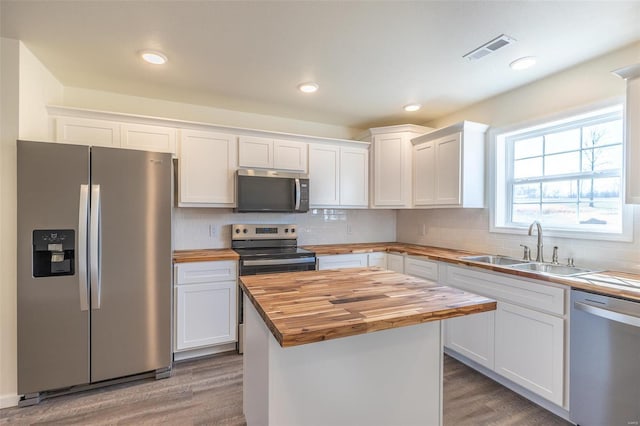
266 262
608 314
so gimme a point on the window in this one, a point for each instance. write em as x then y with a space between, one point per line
567 174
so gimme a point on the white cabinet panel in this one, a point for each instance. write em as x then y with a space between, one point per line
530 350
472 336
205 314
86 131
255 152
324 175
424 166
448 170
354 177
426 269
207 166
395 262
378 259
148 138
392 156
358 260
290 155
632 133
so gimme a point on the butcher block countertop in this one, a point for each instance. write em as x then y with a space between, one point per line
312 306
205 255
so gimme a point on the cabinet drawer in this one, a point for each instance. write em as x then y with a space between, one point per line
342 261
421 268
378 259
395 262
203 272
524 293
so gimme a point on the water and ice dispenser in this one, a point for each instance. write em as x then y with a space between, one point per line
53 252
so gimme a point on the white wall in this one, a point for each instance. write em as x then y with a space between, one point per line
9 61
318 226
468 229
109 101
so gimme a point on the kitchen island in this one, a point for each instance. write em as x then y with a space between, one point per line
312 357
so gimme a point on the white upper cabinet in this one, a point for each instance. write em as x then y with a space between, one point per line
113 134
338 176
449 167
632 133
148 138
391 165
266 153
87 131
207 166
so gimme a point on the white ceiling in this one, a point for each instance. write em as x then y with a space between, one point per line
369 58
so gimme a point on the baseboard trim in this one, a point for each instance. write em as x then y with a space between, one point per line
196 353
536 399
9 400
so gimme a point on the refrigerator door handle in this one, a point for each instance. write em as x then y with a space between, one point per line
83 221
95 245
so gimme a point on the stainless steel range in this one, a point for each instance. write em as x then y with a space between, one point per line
267 249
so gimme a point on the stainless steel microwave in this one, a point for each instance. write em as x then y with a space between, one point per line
271 191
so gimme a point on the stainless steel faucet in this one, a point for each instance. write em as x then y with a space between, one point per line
539 254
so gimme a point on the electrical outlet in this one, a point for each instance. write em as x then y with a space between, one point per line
423 230
349 230
213 231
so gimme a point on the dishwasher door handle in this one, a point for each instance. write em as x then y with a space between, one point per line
608 314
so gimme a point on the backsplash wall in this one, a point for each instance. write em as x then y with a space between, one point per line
468 229
191 226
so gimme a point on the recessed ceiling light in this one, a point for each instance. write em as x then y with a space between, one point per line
523 63
153 57
412 107
308 87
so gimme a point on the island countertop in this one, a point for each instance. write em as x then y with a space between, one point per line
312 306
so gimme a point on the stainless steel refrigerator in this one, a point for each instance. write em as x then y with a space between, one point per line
94 265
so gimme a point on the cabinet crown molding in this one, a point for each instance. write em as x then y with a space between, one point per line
632 71
414 128
66 111
463 126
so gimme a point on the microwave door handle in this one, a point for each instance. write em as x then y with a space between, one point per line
298 194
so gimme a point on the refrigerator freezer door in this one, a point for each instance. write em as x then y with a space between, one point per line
131 329
53 327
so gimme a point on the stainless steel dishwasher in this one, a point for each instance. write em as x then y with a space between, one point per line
605 360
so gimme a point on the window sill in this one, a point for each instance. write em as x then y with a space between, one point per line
557 233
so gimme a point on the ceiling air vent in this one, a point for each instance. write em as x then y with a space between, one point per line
490 47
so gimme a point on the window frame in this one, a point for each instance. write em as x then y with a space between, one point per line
500 168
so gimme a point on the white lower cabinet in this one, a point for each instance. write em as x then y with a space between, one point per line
205 300
529 349
523 340
395 262
378 259
426 269
337 261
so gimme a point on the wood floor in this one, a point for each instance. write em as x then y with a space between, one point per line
209 391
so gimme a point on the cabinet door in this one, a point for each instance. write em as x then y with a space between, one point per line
324 175
85 131
342 261
378 259
205 314
255 152
529 350
424 174
448 169
392 170
354 177
473 337
207 169
426 269
395 262
148 138
290 155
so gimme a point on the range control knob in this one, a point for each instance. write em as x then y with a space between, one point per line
237 230
245 230
293 230
286 230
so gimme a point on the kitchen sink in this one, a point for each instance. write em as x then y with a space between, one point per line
493 259
551 269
